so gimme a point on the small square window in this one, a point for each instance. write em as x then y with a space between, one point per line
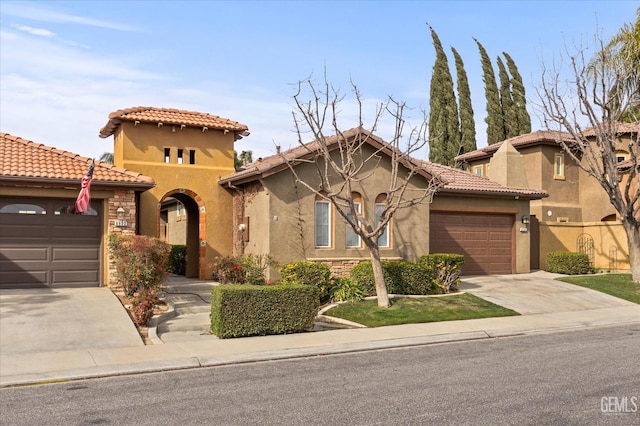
478 170
167 155
180 152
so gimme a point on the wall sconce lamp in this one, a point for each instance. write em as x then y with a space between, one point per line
526 220
242 227
120 213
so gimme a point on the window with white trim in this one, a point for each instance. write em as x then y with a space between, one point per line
558 166
353 240
383 239
322 223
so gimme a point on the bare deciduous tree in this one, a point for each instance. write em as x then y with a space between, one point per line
590 106
342 164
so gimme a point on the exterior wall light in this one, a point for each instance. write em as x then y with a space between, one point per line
526 220
120 213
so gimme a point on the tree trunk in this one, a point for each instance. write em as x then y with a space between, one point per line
633 239
378 275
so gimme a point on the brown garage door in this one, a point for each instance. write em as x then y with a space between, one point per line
42 246
485 240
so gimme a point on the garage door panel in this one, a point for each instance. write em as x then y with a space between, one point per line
485 240
67 277
75 253
10 231
19 254
21 277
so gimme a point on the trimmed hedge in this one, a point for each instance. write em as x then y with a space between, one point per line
445 269
257 310
400 278
307 273
570 263
177 262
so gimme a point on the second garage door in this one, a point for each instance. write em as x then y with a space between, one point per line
485 240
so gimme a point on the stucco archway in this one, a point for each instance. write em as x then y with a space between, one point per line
195 230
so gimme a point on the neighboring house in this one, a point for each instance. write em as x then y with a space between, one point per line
173 222
577 215
41 245
185 152
470 215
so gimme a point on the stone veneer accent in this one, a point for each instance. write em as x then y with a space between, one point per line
126 199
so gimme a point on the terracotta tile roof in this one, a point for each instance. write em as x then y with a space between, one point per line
549 137
26 161
622 128
455 180
461 181
169 116
268 166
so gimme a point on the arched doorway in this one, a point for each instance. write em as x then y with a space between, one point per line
193 229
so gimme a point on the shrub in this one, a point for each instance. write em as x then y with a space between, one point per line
250 310
142 307
346 290
177 262
307 273
140 261
227 269
416 279
399 277
570 263
255 268
445 269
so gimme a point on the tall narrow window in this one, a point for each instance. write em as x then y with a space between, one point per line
383 240
180 152
558 166
352 238
323 223
167 155
192 156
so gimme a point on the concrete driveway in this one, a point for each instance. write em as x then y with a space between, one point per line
538 293
53 320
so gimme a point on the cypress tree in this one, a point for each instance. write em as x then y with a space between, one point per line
519 97
508 112
495 124
444 133
467 123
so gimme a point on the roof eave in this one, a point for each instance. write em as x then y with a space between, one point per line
76 182
492 194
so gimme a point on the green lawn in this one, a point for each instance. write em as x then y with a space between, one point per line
417 310
618 285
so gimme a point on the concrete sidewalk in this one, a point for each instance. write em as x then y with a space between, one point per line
208 350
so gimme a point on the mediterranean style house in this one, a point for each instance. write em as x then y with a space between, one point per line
577 214
174 178
469 214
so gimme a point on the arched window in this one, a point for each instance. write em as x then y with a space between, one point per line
322 222
23 209
381 204
352 239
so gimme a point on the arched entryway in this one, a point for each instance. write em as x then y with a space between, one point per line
194 229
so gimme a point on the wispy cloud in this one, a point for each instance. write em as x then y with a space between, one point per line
34 31
43 14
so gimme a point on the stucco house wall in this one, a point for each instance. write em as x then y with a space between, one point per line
281 218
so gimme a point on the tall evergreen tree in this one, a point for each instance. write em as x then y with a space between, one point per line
494 120
467 123
509 116
444 133
519 97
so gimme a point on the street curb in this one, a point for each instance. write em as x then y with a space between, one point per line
158 319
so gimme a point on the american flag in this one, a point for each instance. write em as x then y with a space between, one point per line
82 203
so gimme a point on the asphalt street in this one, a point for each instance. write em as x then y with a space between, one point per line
570 378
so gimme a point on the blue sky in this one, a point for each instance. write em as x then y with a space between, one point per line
65 65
